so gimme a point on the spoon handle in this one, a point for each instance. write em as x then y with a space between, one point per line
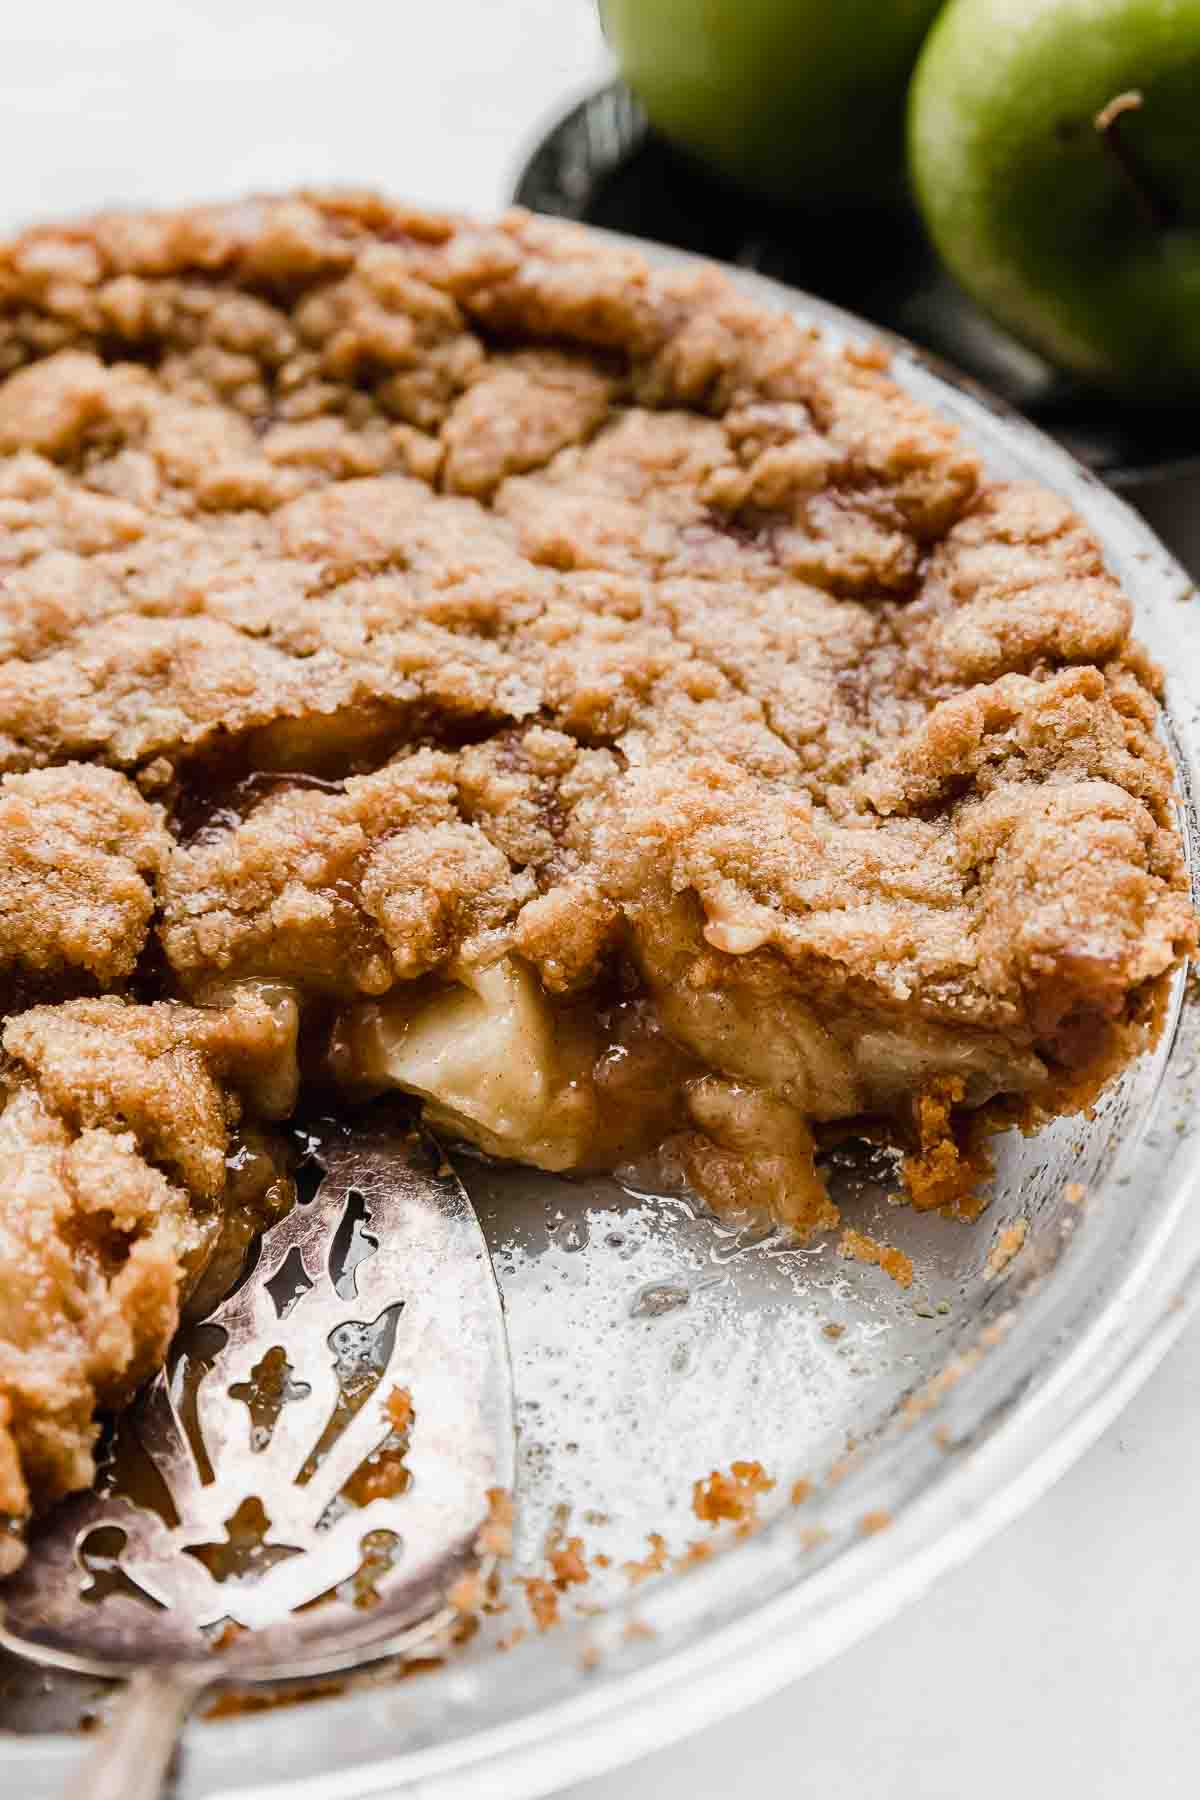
131 1758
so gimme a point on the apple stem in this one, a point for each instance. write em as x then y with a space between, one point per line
1108 123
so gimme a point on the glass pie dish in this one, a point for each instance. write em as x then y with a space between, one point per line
653 1343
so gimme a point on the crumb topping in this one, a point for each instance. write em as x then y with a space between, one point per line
80 850
395 607
114 1131
1007 1245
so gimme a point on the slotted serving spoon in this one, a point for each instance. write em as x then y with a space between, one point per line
285 1516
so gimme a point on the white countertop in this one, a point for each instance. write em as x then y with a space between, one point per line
1062 1660
1064 1657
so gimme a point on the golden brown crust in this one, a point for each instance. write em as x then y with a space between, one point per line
949 1163
1016 584
114 1129
455 600
168 1073
94 1244
348 890
79 851
125 1239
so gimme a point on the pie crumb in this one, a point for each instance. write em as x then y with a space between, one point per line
542 1596
229 1635
399 1408
733 1496
951 1164
1007 1243
698 1551
568 1565
495 1534
856 1246
652 1563
385 1472
468 1593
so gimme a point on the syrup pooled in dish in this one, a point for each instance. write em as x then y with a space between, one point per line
462 659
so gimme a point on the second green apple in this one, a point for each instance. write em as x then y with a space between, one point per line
1055 155
800 100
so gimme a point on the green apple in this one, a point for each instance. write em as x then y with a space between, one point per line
1054 150
799 100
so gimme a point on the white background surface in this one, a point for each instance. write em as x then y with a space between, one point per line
1065 1658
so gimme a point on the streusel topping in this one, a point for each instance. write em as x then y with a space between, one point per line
562 688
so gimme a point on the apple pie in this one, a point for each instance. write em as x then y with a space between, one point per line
465 660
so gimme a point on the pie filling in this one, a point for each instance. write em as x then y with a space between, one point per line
565 1086
463 660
